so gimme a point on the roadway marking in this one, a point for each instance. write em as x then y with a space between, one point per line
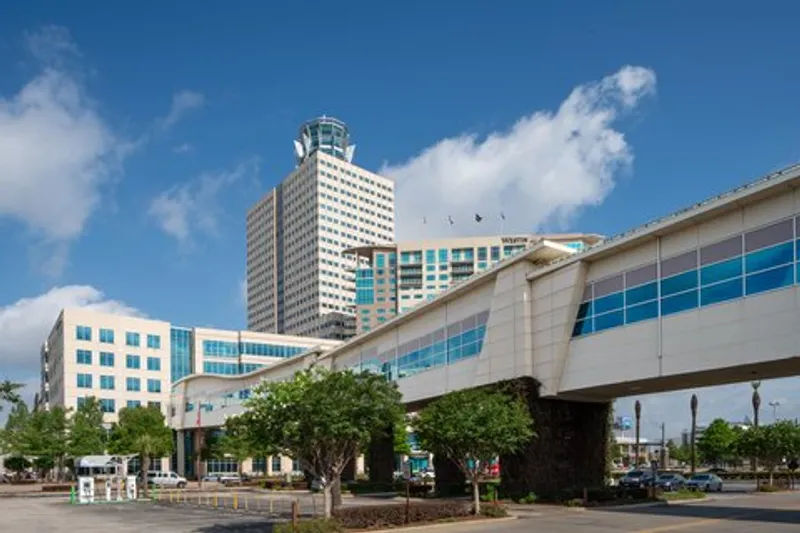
705 521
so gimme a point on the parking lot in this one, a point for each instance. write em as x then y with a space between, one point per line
726 513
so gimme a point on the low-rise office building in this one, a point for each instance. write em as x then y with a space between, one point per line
126 361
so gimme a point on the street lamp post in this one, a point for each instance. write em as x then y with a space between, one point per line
774 404
693 405
638 412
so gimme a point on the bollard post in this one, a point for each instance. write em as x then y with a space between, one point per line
295 514
72 495
235 501
585 496
216 500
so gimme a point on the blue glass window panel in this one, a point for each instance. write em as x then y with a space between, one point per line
133 404
609 320
84 357
582 327
769 257
132 361
769 280
797 250
133 384
454 354
153 385
154 341
132 339
638 313
153 363
107 406
107 382
454 341
721 292
608 303
679 283
380 260
469 350
84 381
430 256
469 336
439 359
721 271
584 310
83 333
106 359
107 336
642 293
678 303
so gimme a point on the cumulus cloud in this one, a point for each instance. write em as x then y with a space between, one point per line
56 150
731 402
184 148
182 103
25 324
541 171
186 209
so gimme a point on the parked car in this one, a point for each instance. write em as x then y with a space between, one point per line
166 479
230 479
636 479
717 470
670 482
706 482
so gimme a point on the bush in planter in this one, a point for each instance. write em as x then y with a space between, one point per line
765 487
493 511
394 514
529 498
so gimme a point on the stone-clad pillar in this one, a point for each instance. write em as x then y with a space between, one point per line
568 451
180 449
380 458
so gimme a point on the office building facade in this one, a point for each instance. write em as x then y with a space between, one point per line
393 278
298 280
129 361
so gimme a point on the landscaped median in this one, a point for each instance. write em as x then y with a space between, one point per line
683 495
394 515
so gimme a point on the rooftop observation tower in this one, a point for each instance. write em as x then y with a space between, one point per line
326 134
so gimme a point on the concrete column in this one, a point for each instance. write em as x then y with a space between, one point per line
181 452
380 458
568 451
450 481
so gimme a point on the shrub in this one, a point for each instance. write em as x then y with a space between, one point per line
320 525
361 487
493 511
373 516
574 502
528 498
765 487
57 487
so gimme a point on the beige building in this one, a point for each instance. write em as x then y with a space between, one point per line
298 281
393 278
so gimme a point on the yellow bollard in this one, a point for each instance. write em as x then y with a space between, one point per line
216 500
246 505
235 501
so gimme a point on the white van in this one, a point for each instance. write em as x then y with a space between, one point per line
166 479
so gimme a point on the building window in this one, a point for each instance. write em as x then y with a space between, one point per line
154 363
133 404
107 336
82 401
221 348
132 339
153 385
83 333
482 253
106 359
157 405
495 253
132 361
84 357
133 384
107 382
276 463
84 381
107 405
154 341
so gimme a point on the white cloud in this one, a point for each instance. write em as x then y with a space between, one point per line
192 207
184 148
541 171
25 324
182 103
56 151
731 402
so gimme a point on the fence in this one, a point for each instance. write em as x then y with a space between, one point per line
271 505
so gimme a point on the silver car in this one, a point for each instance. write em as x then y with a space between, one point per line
706 482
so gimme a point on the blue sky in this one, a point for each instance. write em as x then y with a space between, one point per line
134 137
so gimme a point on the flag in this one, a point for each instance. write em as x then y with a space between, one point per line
502 216
450 219
478 218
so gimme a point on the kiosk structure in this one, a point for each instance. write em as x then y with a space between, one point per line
118 486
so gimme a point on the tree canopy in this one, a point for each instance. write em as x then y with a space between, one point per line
87 435
9 392
142 431
717 443
322 418
472 427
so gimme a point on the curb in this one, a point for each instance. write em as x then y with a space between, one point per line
482 521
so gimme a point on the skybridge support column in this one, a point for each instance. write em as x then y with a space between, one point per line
180 449
567 453
380 458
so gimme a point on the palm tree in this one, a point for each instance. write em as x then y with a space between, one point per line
756 400
638 411
8 392
693 406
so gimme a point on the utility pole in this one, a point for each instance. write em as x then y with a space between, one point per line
663 457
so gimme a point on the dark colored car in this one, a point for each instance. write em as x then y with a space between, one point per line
670 482
636 479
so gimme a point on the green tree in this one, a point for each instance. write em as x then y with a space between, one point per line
472 427
88 436
771 444
15 429
9 393
142 431
235 441
717 443
401 443
17 464
322 418
47 436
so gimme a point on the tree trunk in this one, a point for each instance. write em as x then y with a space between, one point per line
336 491
476 496
771 469
145 467
326 496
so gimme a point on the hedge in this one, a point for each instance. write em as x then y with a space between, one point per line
273 484
374 516
57 487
